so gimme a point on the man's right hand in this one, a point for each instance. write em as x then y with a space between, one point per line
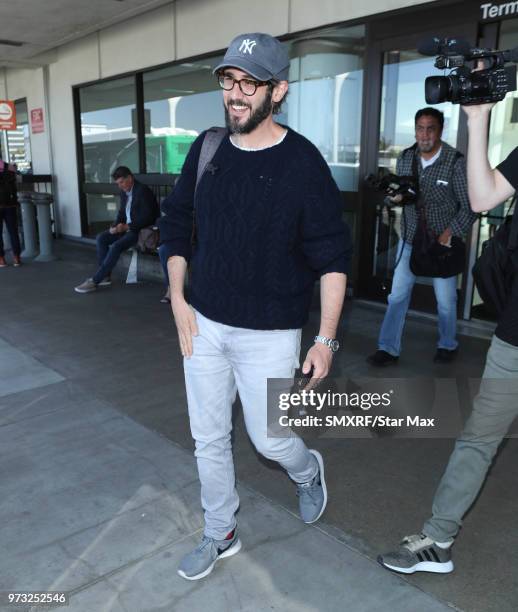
185 319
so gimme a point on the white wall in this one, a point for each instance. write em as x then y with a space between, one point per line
138 43
182 29
76 63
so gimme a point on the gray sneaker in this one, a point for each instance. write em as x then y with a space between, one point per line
418 553
313 495
200 562
87 286
106 282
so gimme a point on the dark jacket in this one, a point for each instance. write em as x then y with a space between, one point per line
8 197
144 208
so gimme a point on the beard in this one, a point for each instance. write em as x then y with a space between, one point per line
256 117
425 147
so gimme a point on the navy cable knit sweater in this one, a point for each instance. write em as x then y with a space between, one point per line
268 224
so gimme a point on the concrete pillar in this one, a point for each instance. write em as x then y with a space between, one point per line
29 224
43 201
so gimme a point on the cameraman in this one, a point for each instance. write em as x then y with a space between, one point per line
496 405
441 173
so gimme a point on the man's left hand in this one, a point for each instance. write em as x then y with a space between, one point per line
319 358
445 237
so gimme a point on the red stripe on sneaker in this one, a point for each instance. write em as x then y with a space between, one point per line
230 535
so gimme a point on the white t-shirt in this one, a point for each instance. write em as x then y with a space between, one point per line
428 162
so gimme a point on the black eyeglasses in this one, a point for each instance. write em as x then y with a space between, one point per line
247 86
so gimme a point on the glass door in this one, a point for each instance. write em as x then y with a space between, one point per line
396 93
402 95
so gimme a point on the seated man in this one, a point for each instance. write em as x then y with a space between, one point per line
138 209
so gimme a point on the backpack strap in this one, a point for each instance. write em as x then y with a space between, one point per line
210 145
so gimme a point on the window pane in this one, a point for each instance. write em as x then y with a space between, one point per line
503 136
180 102
108 128
325 96
402 95
18 140
101 211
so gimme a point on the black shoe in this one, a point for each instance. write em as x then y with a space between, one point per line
382 358
445 356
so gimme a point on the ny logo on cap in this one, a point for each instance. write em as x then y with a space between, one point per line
247 45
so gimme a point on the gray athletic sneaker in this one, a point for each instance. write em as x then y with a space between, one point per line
200 562
418 553
87 286
313 495
106 282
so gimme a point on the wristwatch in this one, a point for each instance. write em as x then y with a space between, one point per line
332 345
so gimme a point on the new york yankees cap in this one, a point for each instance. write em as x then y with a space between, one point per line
261 55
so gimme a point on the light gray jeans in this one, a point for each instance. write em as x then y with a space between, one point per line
494 410
227 360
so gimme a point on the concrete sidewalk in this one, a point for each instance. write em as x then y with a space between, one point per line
82 364
98 506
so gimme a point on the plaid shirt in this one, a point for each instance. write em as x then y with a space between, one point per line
444 192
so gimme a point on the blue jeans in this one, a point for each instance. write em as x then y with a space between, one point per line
402 284
109 249
227 360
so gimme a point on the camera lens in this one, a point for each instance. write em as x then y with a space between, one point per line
437 89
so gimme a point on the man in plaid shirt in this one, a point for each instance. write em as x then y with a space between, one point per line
443 189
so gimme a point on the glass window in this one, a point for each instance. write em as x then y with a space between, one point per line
180 102
503 135
17 142
324 101
402 95
108 128
101 210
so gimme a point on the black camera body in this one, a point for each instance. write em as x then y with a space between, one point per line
464 85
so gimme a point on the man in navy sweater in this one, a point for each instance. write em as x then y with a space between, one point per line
268 224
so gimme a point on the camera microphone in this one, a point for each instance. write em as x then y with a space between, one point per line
438 46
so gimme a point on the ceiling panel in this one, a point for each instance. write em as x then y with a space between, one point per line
42 25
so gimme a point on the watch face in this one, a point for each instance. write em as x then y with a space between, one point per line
334 345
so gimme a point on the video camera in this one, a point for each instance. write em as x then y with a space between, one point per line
393 185
464 85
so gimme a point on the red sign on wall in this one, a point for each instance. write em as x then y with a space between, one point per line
7 115
37 124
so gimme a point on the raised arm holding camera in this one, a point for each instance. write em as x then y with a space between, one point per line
496 406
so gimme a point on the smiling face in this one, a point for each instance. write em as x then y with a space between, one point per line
243 114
